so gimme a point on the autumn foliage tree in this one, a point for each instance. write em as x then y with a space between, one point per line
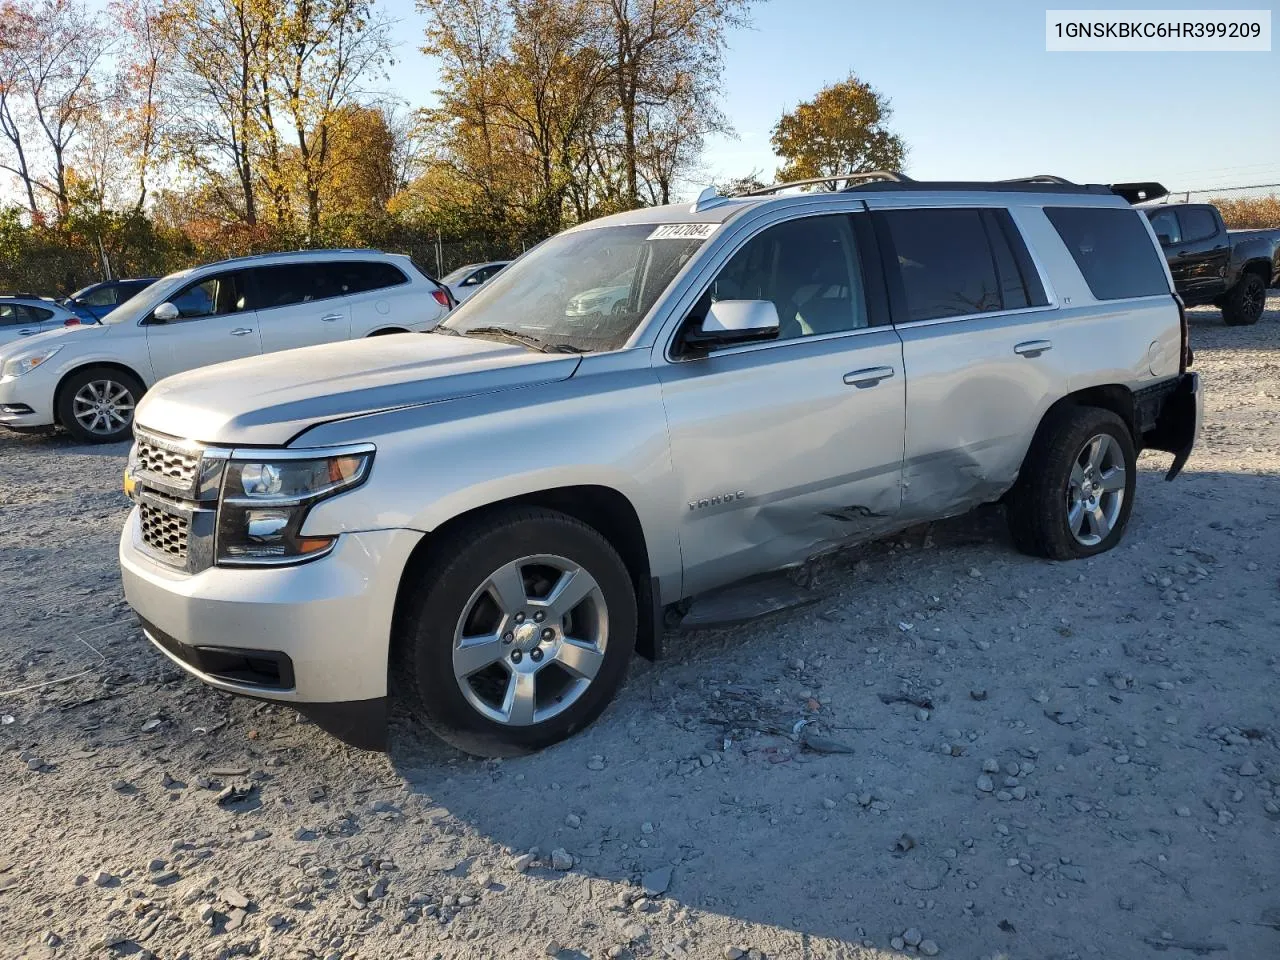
842 130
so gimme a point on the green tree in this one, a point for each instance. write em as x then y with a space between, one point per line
842 130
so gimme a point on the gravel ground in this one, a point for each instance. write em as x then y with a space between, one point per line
1000 756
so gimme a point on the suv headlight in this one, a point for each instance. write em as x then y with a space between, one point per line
266 498
27 362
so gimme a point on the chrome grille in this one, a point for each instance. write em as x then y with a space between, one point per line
177 467
165 533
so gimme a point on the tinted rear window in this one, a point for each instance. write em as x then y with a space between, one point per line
359 276
1113 250
946 263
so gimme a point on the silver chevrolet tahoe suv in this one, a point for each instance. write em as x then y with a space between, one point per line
489 520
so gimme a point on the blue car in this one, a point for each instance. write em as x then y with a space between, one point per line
98 299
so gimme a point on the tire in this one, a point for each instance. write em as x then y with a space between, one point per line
455 596
119 392
1245 302
1041 519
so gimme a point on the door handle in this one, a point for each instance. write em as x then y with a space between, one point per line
868 377
330 317
26 333
1033 348
241 331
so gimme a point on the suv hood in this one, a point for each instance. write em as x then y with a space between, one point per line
269 400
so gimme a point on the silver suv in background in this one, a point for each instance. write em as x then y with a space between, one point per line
88 379
489 521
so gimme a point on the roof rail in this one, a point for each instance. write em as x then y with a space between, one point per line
1041 178
317 251
869 175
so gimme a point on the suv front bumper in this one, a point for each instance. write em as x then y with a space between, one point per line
315 636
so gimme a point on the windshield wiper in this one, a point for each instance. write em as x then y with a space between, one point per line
525 340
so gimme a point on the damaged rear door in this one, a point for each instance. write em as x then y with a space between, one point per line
978 339
784 448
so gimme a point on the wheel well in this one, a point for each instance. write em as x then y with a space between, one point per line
99 365
602 508
1262 268
386 330
1114 397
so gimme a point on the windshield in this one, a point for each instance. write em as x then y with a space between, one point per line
587 289
136 307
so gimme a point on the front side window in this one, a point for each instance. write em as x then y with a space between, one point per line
807 268
946 262
212 296
1197 224
584 290
1113 250
1165 224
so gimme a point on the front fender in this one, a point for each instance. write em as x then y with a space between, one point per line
437 462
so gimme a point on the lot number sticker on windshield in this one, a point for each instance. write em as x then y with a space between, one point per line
684 231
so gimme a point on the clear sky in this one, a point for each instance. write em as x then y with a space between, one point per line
976 96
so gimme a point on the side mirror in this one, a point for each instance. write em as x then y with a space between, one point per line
165 312
730 322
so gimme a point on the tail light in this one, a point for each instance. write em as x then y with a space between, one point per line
71 322
1186 358
442 298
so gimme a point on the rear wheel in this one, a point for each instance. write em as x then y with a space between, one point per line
96 405
518 635
1075 493
1245 302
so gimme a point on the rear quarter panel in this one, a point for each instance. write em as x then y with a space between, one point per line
1128 342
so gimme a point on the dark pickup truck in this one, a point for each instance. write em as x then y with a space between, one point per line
1230 269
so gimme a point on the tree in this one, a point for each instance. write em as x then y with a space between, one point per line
215 135
842 130
144 103
653 42
51 88
317 54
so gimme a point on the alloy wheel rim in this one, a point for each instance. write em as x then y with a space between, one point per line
530 640
1253 301
1096 490
103 407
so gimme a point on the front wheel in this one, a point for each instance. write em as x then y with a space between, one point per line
96 405
1245 302
1075 493
518 634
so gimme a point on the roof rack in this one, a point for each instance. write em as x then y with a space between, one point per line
890 180
870 175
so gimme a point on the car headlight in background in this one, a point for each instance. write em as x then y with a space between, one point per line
27 362
265 501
